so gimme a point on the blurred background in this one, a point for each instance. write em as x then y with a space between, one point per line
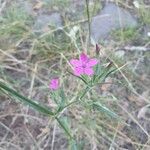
38 38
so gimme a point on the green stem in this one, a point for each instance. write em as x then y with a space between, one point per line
59 121
80 98
85 91
88 15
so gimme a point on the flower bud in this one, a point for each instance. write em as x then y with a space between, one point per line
97 49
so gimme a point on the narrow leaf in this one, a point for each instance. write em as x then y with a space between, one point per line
63 123
104 109
33 104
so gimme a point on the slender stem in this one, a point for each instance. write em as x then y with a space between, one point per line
88 15
85 91
58 120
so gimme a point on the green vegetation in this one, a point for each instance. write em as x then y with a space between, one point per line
144 13
125 35
57 4
52 43
99 112
14 25
94 8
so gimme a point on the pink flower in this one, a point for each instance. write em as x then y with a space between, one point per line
54 84
83 65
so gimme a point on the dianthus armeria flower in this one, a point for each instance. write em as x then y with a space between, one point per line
54 84
84 65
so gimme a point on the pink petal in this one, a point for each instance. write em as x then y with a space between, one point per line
78 71
88 71
92 62
75 62
83 58
54 84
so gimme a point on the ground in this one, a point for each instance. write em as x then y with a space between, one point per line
37 40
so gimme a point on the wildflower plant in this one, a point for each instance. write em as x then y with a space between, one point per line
92 72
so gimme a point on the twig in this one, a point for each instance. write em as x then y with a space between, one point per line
136 48
53 138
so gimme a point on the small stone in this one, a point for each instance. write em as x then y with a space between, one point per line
120 53
110 18
146 31
43 21
136 4
26 6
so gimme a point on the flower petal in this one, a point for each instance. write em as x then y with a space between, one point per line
92 62
78 71
54 84
75 62
88 71
83 58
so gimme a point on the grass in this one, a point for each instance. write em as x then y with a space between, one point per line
92 123
59 4
144 13
94 8
15 25
52 43
127 34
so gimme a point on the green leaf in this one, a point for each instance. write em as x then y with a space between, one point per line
60 100
82 78
54 97
105 74
63 122
109 72
73 145
100 107
98 69
84 92
21 98
63 98
76 146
